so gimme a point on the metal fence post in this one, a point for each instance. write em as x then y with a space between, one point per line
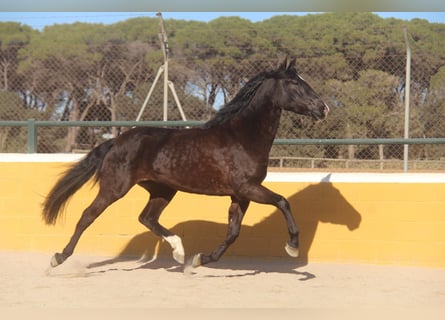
32 135
407 96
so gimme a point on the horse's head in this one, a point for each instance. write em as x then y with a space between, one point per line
295 94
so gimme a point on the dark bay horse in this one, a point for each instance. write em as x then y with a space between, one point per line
227 156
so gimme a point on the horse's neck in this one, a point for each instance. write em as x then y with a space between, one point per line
258 124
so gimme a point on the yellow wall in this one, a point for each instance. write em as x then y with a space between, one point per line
389 222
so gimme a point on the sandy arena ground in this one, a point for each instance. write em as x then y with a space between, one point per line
27 281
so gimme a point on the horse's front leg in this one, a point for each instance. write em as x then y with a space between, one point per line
261 194
236 214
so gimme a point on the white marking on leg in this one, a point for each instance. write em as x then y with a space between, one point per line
293 252
178 249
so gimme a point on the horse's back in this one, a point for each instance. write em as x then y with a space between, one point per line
192 160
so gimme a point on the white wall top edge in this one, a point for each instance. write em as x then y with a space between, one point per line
311 177
40 157
356 177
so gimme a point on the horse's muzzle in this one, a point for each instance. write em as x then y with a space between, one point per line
325 111
322 114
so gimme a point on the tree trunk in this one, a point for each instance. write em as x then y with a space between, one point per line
351 147
114 130
72 131
381 156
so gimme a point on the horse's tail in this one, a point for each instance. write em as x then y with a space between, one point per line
74 178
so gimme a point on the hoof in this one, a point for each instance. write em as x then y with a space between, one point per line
192 263
293 252
178 256
196 262
56 260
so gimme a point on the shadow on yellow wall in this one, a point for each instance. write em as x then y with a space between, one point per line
316 203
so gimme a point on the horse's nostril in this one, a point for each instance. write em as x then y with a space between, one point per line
326 108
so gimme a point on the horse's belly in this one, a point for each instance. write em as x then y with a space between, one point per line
216 189
199 183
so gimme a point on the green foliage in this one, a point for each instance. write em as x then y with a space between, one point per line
433 113
11 108
14 34
84 71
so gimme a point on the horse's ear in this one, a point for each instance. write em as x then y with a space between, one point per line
286 62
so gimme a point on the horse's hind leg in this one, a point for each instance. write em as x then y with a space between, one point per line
100 203
160 196
237 210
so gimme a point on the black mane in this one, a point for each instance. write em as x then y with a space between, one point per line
241 100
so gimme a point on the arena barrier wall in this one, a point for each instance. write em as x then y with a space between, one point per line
377 218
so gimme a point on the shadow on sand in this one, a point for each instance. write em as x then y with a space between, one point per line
320 202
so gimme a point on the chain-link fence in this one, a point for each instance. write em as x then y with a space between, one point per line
366 98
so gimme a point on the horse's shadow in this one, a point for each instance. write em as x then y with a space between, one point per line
315 204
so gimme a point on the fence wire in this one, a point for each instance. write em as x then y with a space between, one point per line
366 101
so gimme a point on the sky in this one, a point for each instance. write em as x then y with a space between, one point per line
38 20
